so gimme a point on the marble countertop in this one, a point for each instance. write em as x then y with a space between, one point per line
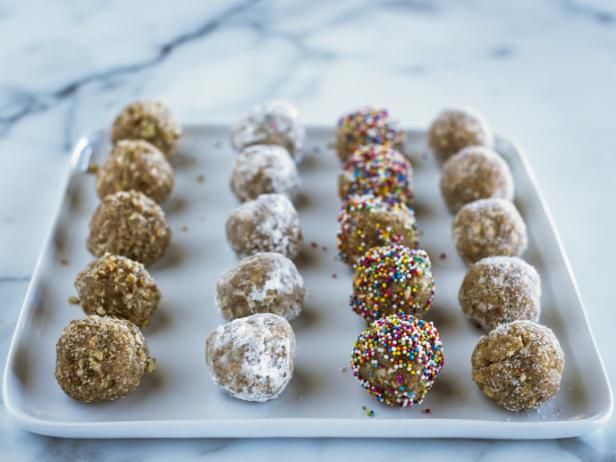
542 72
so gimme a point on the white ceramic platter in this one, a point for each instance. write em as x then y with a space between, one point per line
323 399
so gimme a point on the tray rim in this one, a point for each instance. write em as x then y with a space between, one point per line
294 427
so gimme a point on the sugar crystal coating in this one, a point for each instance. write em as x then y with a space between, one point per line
496 290
489 227
455 129
519 365
476 172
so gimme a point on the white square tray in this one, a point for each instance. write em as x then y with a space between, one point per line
181 400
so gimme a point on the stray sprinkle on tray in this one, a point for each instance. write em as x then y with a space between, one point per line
200 178
443 256
367 411
426 411
343 369
73 300
184 228
64 262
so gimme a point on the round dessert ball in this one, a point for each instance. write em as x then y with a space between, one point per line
367 221
519 365
267 282
397 359
475 173
101 358
150 121
252 358
497 290
262 169
113 285
377 169
364 127
455 129
136 165
273 122
268 223
489 227
131 224
392 279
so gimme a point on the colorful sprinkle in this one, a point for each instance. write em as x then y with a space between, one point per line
367 126
367 221
367 411
392 279
397 358
380 170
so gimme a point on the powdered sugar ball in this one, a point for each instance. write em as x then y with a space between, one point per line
267 282
519 365
475 173
268 223
262 169
273 122
252 358
489 227
455 129
497 290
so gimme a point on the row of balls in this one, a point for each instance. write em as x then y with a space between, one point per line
104 356
398 356
519 362
251 357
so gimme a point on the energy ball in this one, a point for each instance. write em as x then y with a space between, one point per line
262 169
367 126
101 359
274 122
268 223
252 358
475 173
113 285
131 224
377 169
136 165
497 290
519 365
455 129
489 227
367 221
392 279
397 359
150 121
267 282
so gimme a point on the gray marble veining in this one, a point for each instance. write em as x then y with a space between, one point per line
542 72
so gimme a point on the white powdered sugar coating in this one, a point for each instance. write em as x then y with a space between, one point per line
273 122
262 169
264 283
476 172
252 358
269 223
501 289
